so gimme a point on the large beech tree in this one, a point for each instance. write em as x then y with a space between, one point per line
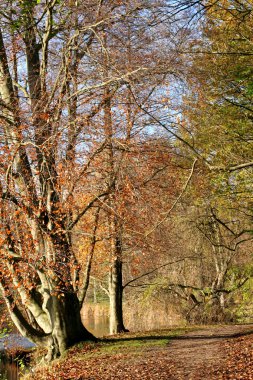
58 75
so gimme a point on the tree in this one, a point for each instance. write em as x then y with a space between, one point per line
55 110
125 126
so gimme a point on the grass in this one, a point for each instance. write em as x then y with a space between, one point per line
127 346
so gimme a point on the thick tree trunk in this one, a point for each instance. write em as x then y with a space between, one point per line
67 327
116 297
53 304
65 320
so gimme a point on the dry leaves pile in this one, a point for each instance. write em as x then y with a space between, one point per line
116 367
239 361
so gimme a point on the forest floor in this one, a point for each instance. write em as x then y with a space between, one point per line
208 353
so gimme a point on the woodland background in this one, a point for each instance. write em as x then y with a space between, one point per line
125 163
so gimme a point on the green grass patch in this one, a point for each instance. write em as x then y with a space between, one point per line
128 343
130 346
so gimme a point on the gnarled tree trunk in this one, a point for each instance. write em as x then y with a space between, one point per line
67 327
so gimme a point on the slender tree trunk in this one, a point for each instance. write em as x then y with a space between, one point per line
116 288
115 274
116 297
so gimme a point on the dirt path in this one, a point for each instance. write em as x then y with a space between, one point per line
197 354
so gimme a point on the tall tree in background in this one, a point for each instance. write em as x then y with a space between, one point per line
125 128
217 124
219 108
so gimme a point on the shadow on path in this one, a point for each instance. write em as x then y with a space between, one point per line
219 332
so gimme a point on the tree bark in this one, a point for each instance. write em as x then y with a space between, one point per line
116 298
67 327
63 328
